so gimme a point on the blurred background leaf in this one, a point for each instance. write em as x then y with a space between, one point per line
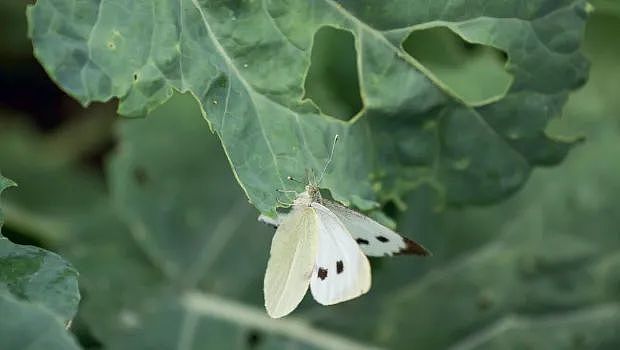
170 255
180 200
158 256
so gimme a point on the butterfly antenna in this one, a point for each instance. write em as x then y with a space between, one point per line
290 178
285 191
329 160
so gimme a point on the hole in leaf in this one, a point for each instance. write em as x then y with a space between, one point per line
473 72
332 81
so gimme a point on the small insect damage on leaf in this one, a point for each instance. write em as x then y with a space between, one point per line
457 63
332 81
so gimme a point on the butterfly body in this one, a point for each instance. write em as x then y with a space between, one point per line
312 194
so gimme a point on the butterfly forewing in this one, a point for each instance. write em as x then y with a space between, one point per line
373 238
291 262
341 271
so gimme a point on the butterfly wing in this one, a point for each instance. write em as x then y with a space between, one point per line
341 271
291 261
373 238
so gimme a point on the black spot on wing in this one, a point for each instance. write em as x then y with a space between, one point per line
413 248
339 266
322 273
382 239
361 241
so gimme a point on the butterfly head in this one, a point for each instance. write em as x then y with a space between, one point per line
313 192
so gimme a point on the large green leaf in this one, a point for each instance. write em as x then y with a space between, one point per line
28 326
548 258
550 253
204 321
246 63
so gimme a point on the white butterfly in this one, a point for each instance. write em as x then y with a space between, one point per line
321 244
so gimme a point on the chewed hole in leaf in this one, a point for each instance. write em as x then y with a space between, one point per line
458 63
332 81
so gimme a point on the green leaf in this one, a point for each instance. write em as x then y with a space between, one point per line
538 268
27 326
204 321
594 328
39 276
550 251
246 63
154 310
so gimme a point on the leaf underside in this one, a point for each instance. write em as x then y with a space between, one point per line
246 64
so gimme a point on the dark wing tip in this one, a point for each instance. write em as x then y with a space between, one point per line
414 248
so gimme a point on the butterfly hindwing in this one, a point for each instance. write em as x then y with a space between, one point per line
291 262
341 271
373 238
